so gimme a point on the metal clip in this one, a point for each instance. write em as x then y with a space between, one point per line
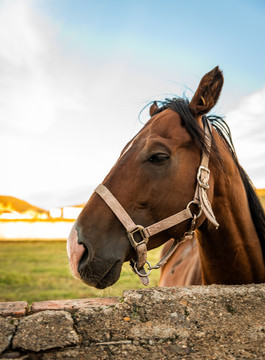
199 173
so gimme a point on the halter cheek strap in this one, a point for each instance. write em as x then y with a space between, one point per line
139 235
203 176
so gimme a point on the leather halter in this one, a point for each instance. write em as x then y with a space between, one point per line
200 199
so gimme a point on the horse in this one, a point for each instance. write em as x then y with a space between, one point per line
183 267
179 177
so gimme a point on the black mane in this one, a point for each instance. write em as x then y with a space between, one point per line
181 106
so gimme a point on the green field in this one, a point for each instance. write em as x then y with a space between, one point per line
36 271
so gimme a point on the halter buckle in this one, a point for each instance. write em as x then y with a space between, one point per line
202 184
131 236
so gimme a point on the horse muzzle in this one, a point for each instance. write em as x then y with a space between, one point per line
93 270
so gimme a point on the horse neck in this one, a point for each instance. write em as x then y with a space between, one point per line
232 254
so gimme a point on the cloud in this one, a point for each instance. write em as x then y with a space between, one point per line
64 116
247 123
26 95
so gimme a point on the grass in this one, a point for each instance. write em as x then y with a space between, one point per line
36 271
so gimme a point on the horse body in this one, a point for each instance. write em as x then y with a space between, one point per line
154 178
183 268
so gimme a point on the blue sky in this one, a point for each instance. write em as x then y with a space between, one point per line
173 35
74 76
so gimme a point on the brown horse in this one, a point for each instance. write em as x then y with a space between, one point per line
162 180
183 267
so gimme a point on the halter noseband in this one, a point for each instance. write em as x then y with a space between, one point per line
200 199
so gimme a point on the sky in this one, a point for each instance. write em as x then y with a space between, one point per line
74 76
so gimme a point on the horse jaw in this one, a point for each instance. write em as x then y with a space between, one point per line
74 251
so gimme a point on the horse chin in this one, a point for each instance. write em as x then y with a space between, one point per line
101 280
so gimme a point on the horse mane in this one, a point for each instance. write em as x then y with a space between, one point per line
181 106
256 209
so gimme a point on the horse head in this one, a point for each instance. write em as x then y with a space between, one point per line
154 178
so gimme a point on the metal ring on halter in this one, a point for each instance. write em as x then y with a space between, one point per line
195 203
138 272
155 267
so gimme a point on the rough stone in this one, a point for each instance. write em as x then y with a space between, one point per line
152 330
71 305
17 308
9 355
7 329
102 324
45 330
80 353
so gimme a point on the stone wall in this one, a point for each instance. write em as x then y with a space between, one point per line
200 322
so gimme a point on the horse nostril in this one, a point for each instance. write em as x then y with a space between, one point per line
86 257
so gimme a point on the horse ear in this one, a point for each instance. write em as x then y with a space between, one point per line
153 108
208 92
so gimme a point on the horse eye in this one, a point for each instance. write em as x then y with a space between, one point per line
158 158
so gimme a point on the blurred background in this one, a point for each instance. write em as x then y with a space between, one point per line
74 76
